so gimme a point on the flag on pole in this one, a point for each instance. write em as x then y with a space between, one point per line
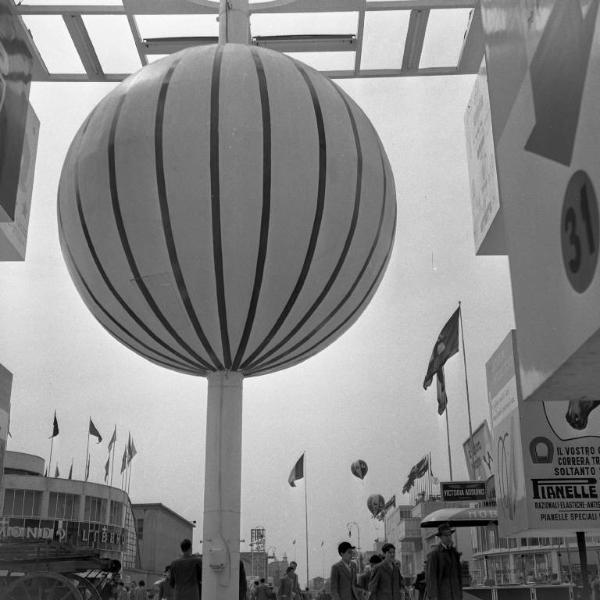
93 431
106 467
441 391
131 451
87 468
445 346
113 439
54 427
124 461
416 472
56 472
71 471
297 471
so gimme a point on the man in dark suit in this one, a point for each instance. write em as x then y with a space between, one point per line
343 575
186 574
386 582
443 568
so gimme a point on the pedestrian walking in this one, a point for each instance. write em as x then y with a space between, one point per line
343 581
186 574
420 583
365 576
165 591
443 574
386 582
297 595
140 592
286 585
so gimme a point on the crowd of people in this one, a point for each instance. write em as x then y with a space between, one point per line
381 580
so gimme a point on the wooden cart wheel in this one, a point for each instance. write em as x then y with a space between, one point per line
86 588
42 586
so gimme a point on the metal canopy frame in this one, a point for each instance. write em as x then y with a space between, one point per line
469 60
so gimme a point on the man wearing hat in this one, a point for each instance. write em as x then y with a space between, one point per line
443 568
343 575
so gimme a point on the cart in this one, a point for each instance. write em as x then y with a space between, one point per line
54 571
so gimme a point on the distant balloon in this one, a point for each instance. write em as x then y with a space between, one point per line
375 503
359 468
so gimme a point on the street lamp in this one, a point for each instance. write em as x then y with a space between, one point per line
348 525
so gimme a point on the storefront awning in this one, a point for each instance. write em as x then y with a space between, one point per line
461 517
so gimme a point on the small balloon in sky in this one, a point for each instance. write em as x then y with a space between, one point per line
375 504
359 468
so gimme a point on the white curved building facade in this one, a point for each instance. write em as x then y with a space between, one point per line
77 513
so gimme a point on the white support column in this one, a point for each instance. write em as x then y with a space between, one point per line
234 22
222 487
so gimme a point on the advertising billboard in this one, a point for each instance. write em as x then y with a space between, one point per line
546 456
16 66
543 67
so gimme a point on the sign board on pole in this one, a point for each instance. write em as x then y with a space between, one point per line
463 491
479 456
543 61
546 456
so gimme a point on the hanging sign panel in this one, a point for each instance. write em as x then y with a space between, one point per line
544 75
463 491
15 76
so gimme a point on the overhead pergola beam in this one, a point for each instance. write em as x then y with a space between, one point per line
73 16
473 47
171 45
417 26
84 46
307 43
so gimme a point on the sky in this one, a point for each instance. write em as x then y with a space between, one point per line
362 397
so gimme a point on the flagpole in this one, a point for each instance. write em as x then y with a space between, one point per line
112 468
448 437
87 454
50 461
462 335
129 481
429 490
306 516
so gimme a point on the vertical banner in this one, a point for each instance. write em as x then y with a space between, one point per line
5 390
547 456
15 76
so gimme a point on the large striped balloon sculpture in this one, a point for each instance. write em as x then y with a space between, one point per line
226 212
